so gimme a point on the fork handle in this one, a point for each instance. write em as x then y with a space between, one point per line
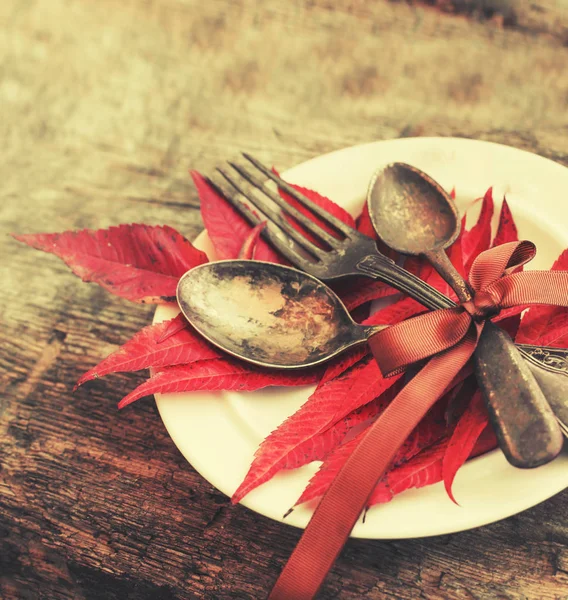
383 268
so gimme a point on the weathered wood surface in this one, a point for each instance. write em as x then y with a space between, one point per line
104 106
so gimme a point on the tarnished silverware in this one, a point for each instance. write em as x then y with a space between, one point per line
414 215
350 253
268 314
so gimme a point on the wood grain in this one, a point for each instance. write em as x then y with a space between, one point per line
105 106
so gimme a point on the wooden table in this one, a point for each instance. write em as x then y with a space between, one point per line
105 106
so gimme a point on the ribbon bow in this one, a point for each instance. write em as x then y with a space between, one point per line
447 337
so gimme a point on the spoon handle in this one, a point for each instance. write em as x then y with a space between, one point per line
440 261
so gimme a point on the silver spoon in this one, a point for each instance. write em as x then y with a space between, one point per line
268 314
414 215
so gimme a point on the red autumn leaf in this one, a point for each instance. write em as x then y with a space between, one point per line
511 325
172 327
419 266
561 263
478 238
357 423
399 311
459 394
546 325
423 469
430 429
359 293
227 230
137 262
364 223
485 442
465 435
330 403
320 482
249 246
145 351
215 375
547 328
320 445
558 337
426 468
343 362
506 230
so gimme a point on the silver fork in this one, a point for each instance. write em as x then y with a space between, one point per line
351 253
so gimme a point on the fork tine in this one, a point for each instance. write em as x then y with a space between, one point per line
320 212
307 223
281 234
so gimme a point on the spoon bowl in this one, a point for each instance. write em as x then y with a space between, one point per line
411 210
268 314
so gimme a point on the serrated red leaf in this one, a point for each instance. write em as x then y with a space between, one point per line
343 362
478 238
561 263
227 230
320 445
250 244
141 263
145 350
399 311
506 230
216 375
463 439
423 469
430 429
172 327
459 395
364 223
360 293
486 442
510 325
319 483
329 403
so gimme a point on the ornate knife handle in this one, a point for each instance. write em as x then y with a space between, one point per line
554 360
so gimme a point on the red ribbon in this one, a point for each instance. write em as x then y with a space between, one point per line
449 337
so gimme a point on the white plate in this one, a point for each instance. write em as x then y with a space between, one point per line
218 433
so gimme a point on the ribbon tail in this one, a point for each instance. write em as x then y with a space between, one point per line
341 505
